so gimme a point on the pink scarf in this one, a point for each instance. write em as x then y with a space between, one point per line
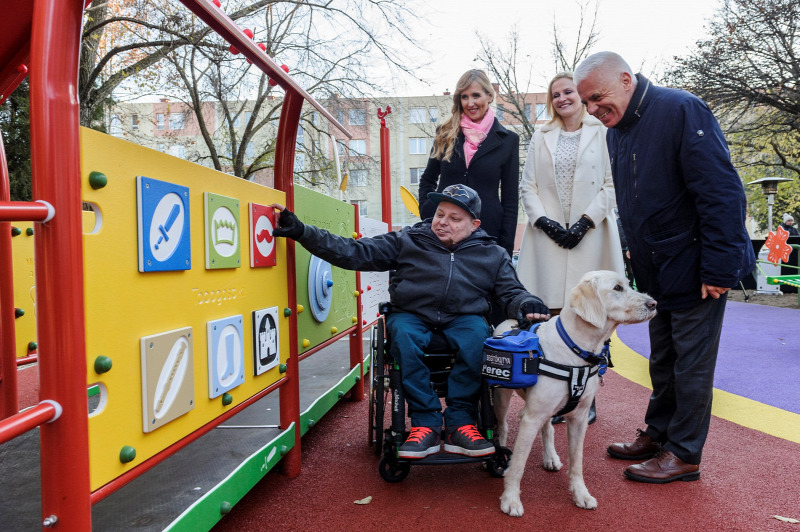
475 133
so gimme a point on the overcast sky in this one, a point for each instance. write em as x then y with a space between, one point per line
647 33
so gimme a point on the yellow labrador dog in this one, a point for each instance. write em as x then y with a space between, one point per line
601 301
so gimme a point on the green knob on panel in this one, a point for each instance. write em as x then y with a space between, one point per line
18 312
358 378
15 231
284 450
97 180
29 231
310 423
287 312
225 508
282 368
127 454
226 399
340 394
102 364
32 346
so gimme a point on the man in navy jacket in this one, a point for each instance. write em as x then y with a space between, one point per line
682 206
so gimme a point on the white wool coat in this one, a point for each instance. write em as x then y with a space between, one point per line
546 269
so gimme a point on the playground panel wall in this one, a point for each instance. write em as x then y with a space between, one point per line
129 312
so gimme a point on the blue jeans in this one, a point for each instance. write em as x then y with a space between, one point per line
410 336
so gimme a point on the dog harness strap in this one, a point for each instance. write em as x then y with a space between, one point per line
576 377
600 360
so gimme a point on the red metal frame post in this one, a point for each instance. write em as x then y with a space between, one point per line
357 336
8 368
386 169
56 170
284 180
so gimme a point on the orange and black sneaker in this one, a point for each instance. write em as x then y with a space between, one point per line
468 441
420 443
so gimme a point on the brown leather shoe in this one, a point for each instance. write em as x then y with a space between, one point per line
641 449
664 468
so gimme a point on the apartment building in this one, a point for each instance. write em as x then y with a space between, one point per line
173 128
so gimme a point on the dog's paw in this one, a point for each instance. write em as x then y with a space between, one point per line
584 500
552 463
511 505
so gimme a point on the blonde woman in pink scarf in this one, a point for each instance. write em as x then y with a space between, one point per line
472 148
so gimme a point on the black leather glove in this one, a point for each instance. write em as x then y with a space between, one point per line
576 233
533 305
551 228
289 225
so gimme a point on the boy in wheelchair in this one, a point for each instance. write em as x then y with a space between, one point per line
447 270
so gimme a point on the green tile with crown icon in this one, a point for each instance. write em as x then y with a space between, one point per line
223 224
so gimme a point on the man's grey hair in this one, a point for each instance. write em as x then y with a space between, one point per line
609 62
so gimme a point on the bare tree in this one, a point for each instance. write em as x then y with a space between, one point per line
747 69
567 57
505 65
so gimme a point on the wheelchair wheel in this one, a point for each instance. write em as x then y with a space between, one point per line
498 464
379 391
393 472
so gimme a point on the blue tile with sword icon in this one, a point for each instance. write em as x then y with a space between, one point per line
163 224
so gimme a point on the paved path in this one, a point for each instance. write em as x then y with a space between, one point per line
748 475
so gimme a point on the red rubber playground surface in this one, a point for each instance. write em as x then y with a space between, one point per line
750 471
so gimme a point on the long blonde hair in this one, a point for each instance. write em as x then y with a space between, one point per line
446 135
551 110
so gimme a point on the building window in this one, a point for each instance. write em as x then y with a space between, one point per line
358 147
416 173
541 112
357 117
434 114
417 115
501 113
250 151
135 122
247 116
176 120
177 150
358 178
362 206
314 117
299 162
341 147
115 126
237 121
300 134
528 111
340 116
160 121
418 146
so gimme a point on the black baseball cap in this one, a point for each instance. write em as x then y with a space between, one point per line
460 195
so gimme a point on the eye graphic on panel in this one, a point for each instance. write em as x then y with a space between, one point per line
320 288
223 245
167 377
225 355
262 243
163 224
265 339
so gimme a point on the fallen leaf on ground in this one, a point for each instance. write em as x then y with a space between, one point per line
365 500
786 519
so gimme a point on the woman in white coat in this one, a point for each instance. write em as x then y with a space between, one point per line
568 195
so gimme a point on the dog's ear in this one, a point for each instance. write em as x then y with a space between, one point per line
587 303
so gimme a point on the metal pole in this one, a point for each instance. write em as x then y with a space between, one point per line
386 169
284 180
56 170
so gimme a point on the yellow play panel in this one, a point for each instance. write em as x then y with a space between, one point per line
169 321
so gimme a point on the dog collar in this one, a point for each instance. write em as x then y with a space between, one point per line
594 359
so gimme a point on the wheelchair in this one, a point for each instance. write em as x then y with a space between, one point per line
387 430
